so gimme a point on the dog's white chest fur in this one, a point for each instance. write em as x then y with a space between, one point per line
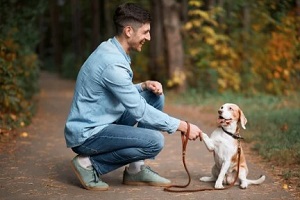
224 147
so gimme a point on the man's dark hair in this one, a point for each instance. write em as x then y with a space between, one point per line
130 14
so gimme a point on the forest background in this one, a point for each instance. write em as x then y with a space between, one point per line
243 51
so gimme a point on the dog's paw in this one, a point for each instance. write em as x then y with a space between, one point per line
219 185
204 135
206 179
244 185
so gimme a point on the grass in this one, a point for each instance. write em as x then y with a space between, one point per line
276 134
273 124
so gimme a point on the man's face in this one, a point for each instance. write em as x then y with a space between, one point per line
139 37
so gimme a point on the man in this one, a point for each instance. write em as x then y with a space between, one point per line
106 106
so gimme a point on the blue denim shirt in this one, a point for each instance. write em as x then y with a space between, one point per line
104 89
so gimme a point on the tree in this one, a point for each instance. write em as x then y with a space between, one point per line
19 66
106 21
298 15
56 34
77 32
96 23
157 67
173 39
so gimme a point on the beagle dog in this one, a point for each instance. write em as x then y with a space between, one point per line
224 143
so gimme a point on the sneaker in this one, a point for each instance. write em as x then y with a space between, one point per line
88 177
145 177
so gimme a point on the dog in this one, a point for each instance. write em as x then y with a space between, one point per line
224 143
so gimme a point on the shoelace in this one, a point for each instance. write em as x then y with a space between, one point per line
96 176
147 167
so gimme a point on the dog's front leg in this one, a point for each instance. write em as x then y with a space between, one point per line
208 142
224 169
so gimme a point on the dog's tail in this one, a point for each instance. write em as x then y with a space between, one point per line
257 181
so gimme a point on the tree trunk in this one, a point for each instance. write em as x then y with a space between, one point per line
157 68
298 16
221 18
42 43
96 24
77 38
228 9
56 35
184 10
106 20
246 27
173 39
211 4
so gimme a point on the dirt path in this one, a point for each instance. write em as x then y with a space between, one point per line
37 165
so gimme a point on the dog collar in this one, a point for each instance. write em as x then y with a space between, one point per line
235 136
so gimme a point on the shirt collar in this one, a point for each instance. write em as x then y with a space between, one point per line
120 48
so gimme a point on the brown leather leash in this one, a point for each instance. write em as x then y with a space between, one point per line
185 138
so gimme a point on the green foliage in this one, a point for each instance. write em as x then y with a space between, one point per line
19 66
210 53
244 46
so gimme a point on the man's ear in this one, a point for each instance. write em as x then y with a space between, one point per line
128 31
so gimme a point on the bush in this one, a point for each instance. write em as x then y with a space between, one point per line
19 66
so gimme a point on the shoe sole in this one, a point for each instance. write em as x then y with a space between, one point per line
146 184
82 182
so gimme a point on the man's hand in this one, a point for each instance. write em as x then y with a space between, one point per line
153 86
195 132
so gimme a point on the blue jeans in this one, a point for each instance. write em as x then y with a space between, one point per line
121 143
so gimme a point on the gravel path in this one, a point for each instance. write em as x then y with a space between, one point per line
37 165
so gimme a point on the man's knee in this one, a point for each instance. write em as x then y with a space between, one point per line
157 101
158 141
160 102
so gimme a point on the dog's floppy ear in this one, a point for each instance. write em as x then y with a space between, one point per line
243 119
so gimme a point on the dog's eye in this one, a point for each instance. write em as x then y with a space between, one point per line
230 108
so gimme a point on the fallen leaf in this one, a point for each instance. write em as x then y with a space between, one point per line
24 134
